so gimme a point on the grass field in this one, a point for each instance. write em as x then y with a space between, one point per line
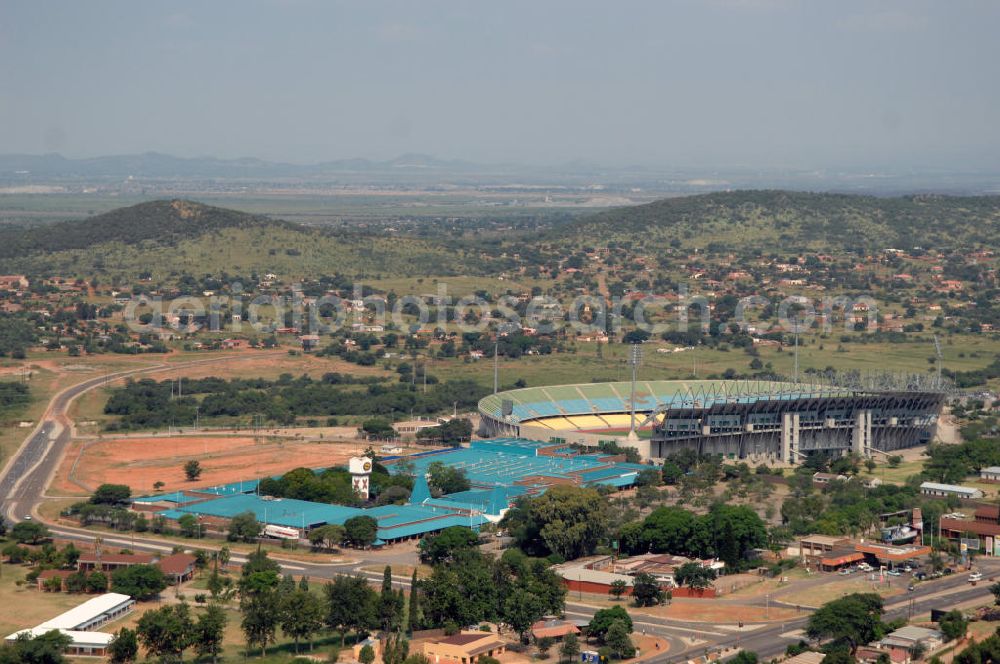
815 596
24 606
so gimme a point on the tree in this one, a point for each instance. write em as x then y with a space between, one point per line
29 532
361 531
367 654
47 648
744 657
566 520
602 620
413 611
192 470
618 588
111 494
188 524
302 614
544 645
244 527
77 582
570 648
453 432
350 604
646 590
261 608
617 638
329 536
850 620
166 632
97 582
142 582
953 625
694 575
520 610
395 650
995 589
443 546
124 647
390 608
209 632
447 479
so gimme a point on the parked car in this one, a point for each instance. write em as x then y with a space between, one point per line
845 571
894 572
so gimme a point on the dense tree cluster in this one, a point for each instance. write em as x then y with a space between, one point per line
17 333
333 485
566 520
148 404
728 532
475 588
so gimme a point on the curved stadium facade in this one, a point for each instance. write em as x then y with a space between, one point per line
761 421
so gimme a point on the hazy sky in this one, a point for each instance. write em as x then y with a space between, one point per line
814 84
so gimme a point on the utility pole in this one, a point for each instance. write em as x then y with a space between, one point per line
496 366
635 357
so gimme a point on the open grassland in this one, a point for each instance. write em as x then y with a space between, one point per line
818 595
585 366
24 605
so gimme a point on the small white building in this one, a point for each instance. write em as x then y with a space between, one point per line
78 622
936 489
991 474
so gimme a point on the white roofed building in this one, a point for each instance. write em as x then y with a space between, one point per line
78 622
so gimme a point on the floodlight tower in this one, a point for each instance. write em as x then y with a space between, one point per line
940 357
634 359
496 365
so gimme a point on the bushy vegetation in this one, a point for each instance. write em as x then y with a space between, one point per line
13 396
148 404
802 221
16 334
333 485
727 532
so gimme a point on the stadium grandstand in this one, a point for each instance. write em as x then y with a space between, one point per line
760 421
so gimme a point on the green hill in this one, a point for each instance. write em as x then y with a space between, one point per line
174 237
794 221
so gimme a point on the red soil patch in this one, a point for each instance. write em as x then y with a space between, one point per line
719 612
140 462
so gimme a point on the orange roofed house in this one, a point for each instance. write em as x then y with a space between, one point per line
463 648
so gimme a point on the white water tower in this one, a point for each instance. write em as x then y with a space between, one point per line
361 470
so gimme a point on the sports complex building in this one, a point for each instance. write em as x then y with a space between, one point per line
498 470
761 421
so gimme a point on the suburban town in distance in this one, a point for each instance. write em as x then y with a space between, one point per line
511 333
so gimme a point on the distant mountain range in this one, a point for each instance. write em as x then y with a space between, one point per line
158 165
18 170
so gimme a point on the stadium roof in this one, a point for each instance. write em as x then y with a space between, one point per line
532 403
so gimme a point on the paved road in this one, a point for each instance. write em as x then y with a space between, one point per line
23 481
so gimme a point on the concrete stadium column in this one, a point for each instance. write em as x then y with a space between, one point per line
644 447
789 437
862 434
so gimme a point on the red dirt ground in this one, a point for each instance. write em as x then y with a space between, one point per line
140 462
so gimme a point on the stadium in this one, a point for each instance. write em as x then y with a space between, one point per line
758 421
